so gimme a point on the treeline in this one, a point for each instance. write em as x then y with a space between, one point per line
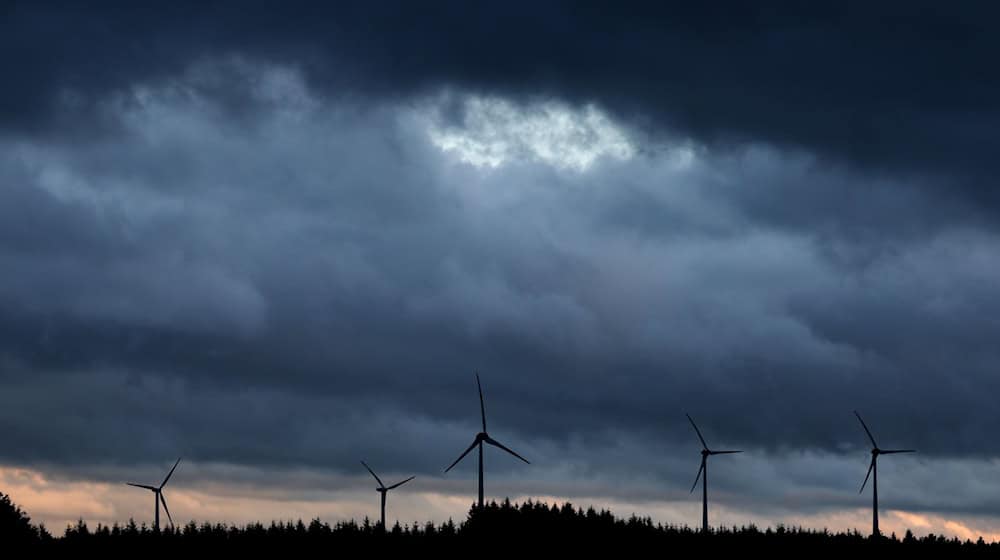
517 528
15 525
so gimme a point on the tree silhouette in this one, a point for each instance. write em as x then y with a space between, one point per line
555 528
15 525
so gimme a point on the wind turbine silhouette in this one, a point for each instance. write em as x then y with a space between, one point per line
158 493
382 489
873 472
703 474
481 438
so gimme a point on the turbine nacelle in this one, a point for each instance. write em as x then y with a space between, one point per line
703 472
873 470
382 487
158 493
483 438
384 490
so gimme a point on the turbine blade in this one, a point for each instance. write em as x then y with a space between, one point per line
398 484
462 456
870 467
496 443
723 452
153 488
482 403
373 474
169 474
165 508
898 451
703 444
695 485
867 431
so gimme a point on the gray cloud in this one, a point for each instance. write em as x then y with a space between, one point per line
315 281
897 88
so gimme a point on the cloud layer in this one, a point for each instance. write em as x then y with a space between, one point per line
266 254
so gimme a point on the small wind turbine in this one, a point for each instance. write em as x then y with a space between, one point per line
158 494
481 438
382 489
873 472
703 474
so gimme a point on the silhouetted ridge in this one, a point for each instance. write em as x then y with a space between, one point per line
16 527
556 527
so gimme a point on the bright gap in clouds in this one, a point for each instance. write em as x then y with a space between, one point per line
494 131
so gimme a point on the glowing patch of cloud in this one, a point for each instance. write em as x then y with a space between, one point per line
495 131
914 519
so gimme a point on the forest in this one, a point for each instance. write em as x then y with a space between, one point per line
518 528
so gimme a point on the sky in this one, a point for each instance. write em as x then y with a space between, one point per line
276 240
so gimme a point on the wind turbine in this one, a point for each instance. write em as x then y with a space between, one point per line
703 474
481 438
158 493
382 489
873 472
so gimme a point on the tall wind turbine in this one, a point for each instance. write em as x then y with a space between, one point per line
382 489
703 474
873 472
481 438
158 496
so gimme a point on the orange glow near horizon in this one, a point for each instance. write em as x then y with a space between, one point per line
61 503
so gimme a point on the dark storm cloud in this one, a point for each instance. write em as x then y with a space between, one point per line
332 251
225 233
903 87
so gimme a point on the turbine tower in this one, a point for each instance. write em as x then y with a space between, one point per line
873 472
481 438
703 474
158 497
382 489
